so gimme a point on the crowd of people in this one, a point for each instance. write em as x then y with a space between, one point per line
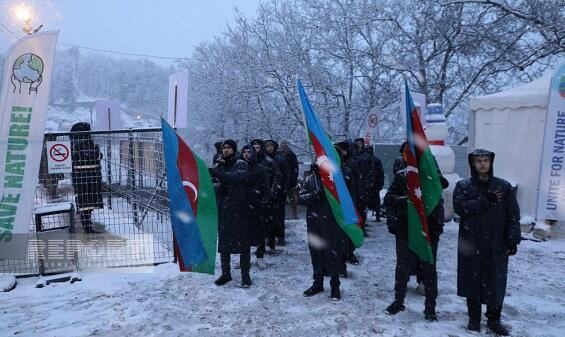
252 186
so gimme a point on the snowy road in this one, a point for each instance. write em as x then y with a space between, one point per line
167 303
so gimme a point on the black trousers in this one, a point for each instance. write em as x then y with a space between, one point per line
244 262
406 261
474 309
325 258
260 252
262 220
279 219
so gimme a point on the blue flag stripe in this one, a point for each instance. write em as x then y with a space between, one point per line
183 220
315 126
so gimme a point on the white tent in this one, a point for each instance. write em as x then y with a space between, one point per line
511 124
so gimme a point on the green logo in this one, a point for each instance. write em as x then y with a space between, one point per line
27 69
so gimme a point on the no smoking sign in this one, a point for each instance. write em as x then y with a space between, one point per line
59 157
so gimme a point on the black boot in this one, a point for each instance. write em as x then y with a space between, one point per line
474 325
245 281
223 279
395 308
430 314
226 274
353 259
336 294
316 288
495 326
474 310
493 314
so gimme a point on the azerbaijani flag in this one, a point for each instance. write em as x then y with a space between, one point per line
330 171
422 183
192 201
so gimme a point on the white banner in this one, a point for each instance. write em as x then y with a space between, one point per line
108 115
177 114
23 108
551 196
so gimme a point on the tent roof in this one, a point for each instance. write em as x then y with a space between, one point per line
533 94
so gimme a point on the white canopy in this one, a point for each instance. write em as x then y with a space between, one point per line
511 124
533 94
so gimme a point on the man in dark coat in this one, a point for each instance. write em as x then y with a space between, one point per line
326 240
378 181
86 173
234 217
218 154
356 187
275 178
292 164
366 171
489 232
259 196
278 205
396 202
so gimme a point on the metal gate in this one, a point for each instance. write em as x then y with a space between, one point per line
121 208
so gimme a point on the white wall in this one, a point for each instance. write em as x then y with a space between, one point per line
516 137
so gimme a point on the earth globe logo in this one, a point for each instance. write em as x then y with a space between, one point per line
27 69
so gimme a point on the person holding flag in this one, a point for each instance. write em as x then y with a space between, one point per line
333 187
415 214
326 241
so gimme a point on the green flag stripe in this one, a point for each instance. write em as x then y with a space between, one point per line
207 217
352 230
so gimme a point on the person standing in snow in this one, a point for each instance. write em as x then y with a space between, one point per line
326 240
489 232
366 169
279 199
259 196
396 202
218 154
292 164
378 180
230 177
86 173
275 178
354 182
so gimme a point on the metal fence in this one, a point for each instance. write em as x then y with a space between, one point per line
119 195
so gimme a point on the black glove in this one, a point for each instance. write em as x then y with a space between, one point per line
491 197
511 249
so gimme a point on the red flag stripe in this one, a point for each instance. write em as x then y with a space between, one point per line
325 175
188 170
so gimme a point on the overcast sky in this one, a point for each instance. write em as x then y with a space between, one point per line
156 27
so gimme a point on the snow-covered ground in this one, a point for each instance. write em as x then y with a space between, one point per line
167 303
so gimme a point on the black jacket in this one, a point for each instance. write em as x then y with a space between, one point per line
320 220
396 201
281 165
86 172
231 182
259 194
486 230
292 164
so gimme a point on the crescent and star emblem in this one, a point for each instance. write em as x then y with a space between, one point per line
192 187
